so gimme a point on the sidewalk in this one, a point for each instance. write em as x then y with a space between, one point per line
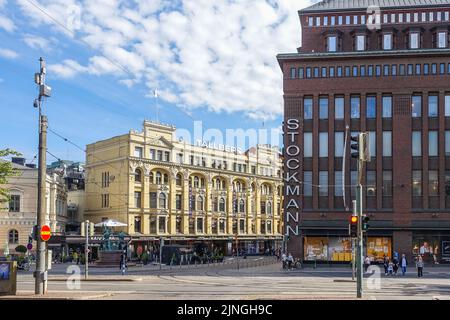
57 295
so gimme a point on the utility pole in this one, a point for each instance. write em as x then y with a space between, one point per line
86 251
359 241
41 270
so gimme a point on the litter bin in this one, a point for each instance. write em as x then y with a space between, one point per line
8 277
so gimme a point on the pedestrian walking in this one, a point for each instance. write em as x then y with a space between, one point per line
75 257
366 264
390 268
403 264
419 265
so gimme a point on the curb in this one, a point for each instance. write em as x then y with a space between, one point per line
97 279
87 297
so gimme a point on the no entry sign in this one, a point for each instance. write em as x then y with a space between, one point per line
45 233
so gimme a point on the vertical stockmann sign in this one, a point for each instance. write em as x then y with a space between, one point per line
292 182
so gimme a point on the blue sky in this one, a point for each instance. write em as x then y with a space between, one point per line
209 61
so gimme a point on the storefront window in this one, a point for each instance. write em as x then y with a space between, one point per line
433 249
336 249
379 247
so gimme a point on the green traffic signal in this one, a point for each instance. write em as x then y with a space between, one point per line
365 223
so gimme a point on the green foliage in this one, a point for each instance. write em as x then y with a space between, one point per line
21 249
6 170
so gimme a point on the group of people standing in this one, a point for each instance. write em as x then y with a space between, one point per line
391 267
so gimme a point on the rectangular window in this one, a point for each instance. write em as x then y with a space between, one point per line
400 17
433 106
355 71
159 155
442 68
362 71
339 72
394 70
416 106
339 107
316 72
363 19
433 183
414 40
417 183
308 108
301 73
402 70
138 152
332 44
331 72
338 144
167 156
426 69
424 17
416 143
370 71
385 18
446 15
392 17
433 68
308 72
152 154
347 71
387 183
162 224
324 72
137 224
153 197
418 69
447 105
323 144
373 143
293 73
14 203
178 201
386 70
416 17
410 69
371 183
199 225
442 39
333 20
447 143
371 107
338 190
387 41
325 21
323 108
340 20
137 199
317 21
323 183
355 107
433 143
387 107
408 17
355 19
378 71
387 143
347 19
310 21
307 144
307 183
360 43
431 16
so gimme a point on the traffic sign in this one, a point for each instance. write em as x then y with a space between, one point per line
45 233
29 246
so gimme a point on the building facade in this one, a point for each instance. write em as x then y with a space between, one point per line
386 72
18 217
162 187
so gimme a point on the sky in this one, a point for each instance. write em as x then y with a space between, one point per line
112 63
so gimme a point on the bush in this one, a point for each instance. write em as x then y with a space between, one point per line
21 249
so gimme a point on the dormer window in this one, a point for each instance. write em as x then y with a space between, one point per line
360 42
387 41
332 43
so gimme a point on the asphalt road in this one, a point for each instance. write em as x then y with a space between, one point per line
261 282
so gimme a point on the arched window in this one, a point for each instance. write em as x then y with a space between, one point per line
138 175
269 207
222 205
162 201
215 205
242 205
217 184
200 203
158 177
196 182
13 236
179 180
223 184
202 183
166 178
152 178
238 187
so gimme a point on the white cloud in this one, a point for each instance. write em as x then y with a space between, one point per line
37 42
215 54
7 53
7 24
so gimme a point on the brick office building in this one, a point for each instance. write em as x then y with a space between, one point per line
392 81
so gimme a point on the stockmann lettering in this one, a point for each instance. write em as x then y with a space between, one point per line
292 184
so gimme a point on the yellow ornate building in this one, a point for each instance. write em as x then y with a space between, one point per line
163 187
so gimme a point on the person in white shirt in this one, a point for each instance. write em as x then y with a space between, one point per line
283 260
290 260
366 264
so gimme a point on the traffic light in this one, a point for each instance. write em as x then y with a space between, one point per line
30 239
354 226
355 146
365 223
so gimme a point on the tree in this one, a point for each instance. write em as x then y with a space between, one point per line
6 170
21 249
